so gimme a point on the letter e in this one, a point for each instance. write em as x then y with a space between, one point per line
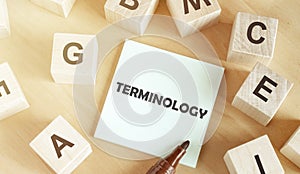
261 85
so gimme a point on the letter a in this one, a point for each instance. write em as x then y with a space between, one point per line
64 142
130 7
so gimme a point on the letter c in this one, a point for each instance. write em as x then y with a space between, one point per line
79 55
250 29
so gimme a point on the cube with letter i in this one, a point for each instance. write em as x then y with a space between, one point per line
60 7
74 58
254 157
4 21
12 99
193 15
134 14
291 149
252 39
261 94
61 146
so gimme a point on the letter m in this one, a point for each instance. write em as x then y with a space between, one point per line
196 5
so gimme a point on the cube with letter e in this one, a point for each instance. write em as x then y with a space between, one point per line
61 146
261 94
134 14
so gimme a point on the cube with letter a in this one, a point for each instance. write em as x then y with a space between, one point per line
254 157
61 146
252 39
132 15
74 58
12 99
193 15
261 94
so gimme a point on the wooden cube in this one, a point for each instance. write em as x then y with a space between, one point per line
61 146
60 7
12 99
74 58
193 15
291 149
134 14
261 94
254 157
252 39
4 21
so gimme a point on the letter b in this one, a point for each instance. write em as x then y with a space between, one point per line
130 7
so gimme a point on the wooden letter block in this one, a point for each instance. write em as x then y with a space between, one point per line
69 64
134 14
12 99
4 21
252 39
261 94
193 15
291 149
60 7
254 157
61 146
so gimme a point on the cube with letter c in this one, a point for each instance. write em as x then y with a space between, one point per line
252 39
261 94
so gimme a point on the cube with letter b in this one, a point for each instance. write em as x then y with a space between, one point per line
254 157
252 39
134 14
261 94
193 15
61 146
4 21
12 99
74 58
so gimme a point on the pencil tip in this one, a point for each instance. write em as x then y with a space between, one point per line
185 145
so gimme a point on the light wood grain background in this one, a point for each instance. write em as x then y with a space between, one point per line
28 51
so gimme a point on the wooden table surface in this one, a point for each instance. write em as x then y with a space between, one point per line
28 51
